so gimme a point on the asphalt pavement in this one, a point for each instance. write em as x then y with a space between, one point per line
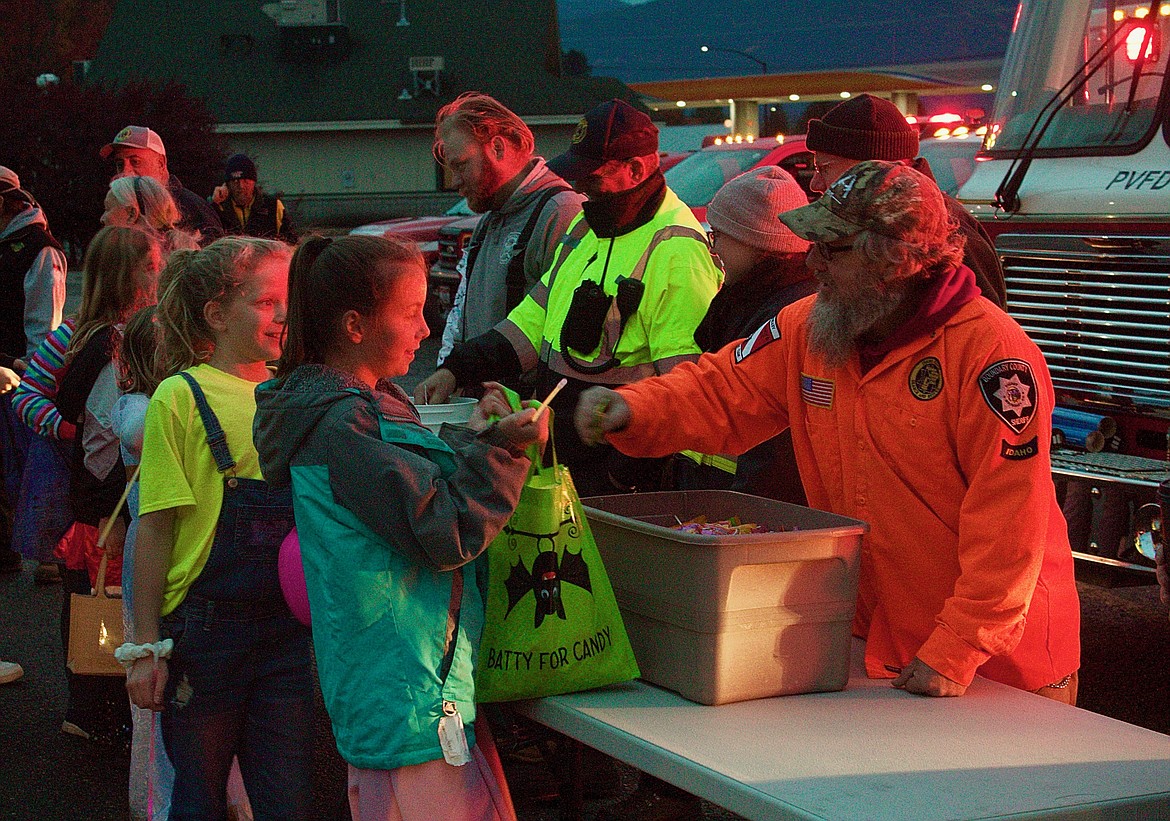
48 776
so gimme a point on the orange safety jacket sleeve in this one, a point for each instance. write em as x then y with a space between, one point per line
707 405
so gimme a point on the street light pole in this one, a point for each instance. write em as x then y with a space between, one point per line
763 66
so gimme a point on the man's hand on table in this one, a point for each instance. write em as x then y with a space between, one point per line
919 677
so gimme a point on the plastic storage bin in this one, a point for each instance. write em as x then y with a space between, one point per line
719 619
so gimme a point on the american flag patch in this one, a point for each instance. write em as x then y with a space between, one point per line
818 392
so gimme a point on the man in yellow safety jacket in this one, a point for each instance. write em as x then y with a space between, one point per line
629 283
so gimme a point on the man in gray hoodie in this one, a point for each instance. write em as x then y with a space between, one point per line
32 297
33 269
488 152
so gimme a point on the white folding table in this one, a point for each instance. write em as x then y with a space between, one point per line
873 752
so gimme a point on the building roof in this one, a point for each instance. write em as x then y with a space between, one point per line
236 57
810 86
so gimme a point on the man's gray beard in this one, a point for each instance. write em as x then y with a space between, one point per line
834 325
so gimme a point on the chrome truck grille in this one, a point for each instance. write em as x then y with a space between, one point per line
1099 309
1134 470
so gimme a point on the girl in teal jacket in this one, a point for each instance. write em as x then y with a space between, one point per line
388 515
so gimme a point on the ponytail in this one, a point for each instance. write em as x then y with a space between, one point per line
184 328
194 278
138 356
302 339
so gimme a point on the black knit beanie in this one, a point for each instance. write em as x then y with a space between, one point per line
864 128
239 167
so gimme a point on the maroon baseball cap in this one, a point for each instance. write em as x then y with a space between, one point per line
611 131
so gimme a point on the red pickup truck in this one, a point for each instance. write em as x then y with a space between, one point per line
421 230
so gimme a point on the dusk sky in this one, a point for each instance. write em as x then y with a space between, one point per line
661 39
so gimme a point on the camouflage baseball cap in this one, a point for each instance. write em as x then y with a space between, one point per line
887 198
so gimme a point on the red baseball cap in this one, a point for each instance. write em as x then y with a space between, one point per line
135 136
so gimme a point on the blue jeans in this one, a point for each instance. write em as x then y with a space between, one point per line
239 684
240 675
43 512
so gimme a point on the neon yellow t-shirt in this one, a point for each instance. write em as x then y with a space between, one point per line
178 470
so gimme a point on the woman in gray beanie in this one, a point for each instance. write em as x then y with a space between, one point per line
764 266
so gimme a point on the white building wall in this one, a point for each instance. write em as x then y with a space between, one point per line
350 173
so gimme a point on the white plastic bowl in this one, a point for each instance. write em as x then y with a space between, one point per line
456 410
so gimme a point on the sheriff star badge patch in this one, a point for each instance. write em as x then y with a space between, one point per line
1009 388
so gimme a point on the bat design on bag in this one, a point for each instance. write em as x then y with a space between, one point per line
544 582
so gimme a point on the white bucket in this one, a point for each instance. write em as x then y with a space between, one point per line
456 410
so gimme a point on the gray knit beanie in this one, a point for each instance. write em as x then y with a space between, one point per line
746 209
864 128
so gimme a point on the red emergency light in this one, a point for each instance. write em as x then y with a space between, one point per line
1133 43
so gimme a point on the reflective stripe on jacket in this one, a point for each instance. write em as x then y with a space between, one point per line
680 277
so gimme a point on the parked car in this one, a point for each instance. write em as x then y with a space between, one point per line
422 230
697 178
443 281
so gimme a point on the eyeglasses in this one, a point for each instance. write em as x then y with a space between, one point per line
829 250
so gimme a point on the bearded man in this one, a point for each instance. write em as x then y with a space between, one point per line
916 405
489 152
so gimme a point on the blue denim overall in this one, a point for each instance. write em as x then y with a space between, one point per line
239 680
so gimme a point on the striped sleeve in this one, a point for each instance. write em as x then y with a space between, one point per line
33 398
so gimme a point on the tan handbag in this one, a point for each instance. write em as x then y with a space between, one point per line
95 630
95 621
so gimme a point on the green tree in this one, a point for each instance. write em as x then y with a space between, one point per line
52 138
47 36
575 64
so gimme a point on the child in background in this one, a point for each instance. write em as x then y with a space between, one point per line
205 559
388 515
43 513
121 266
139 373
41 518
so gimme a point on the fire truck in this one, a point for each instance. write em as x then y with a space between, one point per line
1073 184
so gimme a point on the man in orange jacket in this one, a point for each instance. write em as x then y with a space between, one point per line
916 405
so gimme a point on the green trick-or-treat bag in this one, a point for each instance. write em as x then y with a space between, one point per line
552 624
